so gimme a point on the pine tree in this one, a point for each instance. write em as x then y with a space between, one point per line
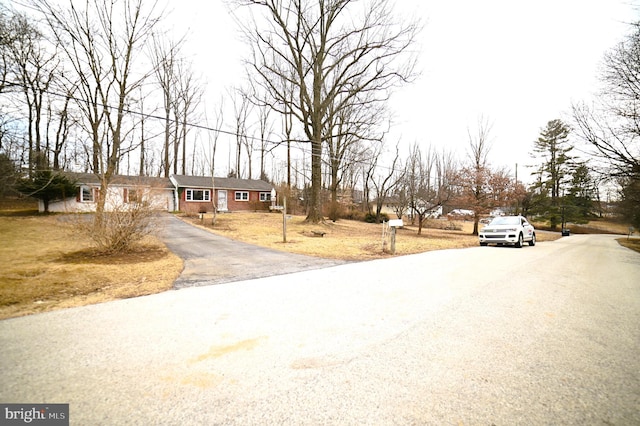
553 148
582 194
47 186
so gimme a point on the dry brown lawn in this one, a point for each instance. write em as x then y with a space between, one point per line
44 266
599 227
344 239
631 243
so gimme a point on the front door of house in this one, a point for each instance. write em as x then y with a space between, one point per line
222 200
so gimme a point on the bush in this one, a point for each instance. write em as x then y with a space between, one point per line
353 214
118 230
371 218
335 211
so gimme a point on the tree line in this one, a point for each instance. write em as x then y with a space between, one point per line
102 87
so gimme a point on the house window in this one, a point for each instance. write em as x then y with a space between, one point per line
242 196
86 194
265 196
132 195
199 195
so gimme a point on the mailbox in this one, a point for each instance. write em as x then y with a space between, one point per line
396 223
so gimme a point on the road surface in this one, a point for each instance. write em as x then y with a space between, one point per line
489 335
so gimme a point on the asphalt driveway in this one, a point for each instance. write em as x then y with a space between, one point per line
212 259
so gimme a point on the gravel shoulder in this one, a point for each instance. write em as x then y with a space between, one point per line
488 335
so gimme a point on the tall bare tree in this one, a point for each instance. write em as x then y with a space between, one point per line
474 177
349 131
331 53
242 110
103 42
66 120
611 126
35 67
189 96
430 181
265 129
164 57
387 181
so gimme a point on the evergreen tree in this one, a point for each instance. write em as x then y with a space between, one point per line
47 186
582 195
628 206
8 175
553 148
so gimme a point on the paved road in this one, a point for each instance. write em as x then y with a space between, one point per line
212 259
489 335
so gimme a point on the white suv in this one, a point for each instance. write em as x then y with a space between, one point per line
508 230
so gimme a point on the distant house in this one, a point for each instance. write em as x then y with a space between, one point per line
122 191
200 194
461 214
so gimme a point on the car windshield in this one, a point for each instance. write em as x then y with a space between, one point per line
506 220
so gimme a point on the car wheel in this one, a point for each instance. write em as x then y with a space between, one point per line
533 240
520 241
483 244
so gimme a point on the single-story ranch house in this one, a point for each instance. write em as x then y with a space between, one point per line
198 194
123 190
185 193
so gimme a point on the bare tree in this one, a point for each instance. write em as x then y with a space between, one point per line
474 177
211 157
348 132
13 27
385 183
188 100
265 127
35 68
164 57
242 109
66 120
611 127
102 41
331 53
430 182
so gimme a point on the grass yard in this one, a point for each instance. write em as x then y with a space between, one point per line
631 243
344 239
45 266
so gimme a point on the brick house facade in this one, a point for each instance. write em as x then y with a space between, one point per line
199 194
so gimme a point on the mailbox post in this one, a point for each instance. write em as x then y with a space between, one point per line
394 224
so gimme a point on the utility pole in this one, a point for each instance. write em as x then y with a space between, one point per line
516 188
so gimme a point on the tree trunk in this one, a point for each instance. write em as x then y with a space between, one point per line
167 138
314 215
184 142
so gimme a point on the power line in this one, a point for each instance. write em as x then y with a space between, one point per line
198 126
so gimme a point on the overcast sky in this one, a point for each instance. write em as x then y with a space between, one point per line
517 64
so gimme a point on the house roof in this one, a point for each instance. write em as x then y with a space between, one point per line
121 180
182 181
